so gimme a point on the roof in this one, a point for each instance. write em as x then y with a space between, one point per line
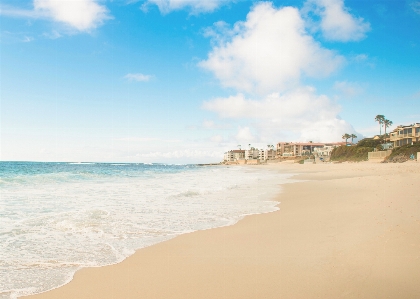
315 143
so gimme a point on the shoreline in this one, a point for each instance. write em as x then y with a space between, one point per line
313 247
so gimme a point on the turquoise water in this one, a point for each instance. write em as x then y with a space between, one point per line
59 217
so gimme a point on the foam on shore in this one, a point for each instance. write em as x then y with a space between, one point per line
58 222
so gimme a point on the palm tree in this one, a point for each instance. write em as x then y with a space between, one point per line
239 146
380 119
352 136
249 146
346 136
387 124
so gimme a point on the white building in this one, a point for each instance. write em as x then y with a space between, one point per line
324 151
234 155
267 154
252 154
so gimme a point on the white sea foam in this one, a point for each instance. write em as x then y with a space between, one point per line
52 227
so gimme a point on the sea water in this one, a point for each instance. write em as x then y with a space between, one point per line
56 218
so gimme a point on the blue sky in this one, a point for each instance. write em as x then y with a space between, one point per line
182 81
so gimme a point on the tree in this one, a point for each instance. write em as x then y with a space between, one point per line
387 124
380 119
239 146
352 136
346 136
249 146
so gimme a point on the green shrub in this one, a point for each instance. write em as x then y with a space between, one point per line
403 153
369 142
350 153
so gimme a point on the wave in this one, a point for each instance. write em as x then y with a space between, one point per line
93 222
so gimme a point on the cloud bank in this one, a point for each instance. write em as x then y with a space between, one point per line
268 52
265 59
300 113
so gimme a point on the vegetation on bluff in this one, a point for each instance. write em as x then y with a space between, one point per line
353 153
360 151
403 153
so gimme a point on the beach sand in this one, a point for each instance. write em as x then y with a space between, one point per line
350 230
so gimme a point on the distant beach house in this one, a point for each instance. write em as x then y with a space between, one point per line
253 154
267 154
405 135
234 155
298 149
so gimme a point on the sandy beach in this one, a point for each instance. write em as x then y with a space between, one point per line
349 230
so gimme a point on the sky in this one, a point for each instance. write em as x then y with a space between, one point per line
183 81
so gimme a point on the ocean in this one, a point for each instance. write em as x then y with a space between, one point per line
56 218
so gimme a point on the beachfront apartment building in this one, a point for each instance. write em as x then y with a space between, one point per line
251 154
324 151
267 154
234 155
297 149
405 135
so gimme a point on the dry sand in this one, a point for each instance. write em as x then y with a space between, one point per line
351 231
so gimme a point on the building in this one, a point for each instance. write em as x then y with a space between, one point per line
267 154
324 151
405 135
252 154
234 155
298 149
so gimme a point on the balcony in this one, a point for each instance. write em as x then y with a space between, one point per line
402 136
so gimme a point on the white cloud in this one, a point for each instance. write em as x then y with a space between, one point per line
196 6
337 23
138 77
146 139
415 6
209 124
299 114
180 154
216 138
52 35
10 11
82 15
244 135
348 88
360 57
270 51
27 39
